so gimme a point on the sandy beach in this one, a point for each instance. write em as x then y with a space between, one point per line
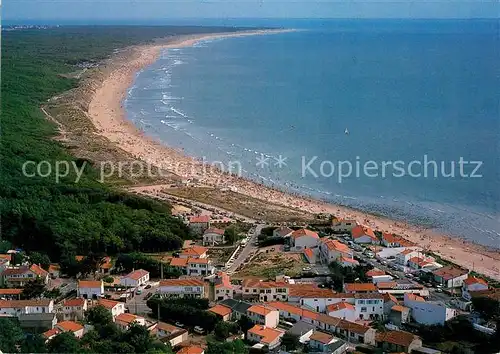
107 114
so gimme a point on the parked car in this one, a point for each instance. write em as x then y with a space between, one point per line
199 329
307 269
178 324
138 292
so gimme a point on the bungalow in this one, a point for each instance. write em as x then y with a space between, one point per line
269 337
73 309
267 316
125 320
321 342
264 290
304 238
390 240
362 234
194 252
171 334
221 311
282 232
450 276
428 312
191 287
23 307
115 307
332 250
404 256
90 289
135 278
472 284
397 341
341 225
419 263
213 236
19 276
198 224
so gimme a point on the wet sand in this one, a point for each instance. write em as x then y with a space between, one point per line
108 115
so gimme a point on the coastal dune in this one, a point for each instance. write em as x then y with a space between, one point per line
107 113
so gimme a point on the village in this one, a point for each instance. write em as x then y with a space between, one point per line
338 288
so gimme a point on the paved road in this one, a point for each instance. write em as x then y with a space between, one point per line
247 249
137 304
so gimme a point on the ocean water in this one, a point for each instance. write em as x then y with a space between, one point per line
363 94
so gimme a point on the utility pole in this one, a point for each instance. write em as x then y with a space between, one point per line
161 270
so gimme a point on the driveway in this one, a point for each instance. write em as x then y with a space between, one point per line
137 304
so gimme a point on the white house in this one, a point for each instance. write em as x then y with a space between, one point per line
174 335
213 236
265 290
343 225
73 309
408 253
71 326
194 252
348 262
362 234
115 307
332 250
451 276
223 287
321 342
304 238
193 287
24 307
473 284
264 315
342 310
90 289
135 278
125 320
369 306
428 312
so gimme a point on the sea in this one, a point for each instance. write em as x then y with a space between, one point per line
399 118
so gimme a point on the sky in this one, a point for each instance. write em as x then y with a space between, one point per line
123 10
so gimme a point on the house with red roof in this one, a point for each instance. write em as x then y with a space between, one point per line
472 284
199 223
115 307
270 338
125 320
321 342
282 231
397 341
256 289
348 262
193 349
72 309
194 252
365 235
135 278
419 263
213 236
223 312
223 287
304 238
310 255
359 288
187 287
90 289
451 276
342 310
331 250
264 315
17 277
11 294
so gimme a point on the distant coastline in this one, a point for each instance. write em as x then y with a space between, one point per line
107 114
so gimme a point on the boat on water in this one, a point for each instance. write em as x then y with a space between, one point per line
346 131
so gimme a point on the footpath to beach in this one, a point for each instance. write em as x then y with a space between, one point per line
108 116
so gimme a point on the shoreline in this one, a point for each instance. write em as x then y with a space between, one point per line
108 115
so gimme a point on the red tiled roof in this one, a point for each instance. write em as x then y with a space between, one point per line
321 337
349 260
334 245
74 302
360 287
386 284
50 333
418 261
24 303
11 291
220 310
214 230
194 251
304 232
256 283
268 335
399 308
179 262
309 291
127 318
473 280
309 253
223 281
359 231
199 219
374 272
260 309
6 256
109 304
340 306
35 268
450 272
390 238
182 282
69 326
166 327
191 350
198 260
137 274
414 297
396 337
89 283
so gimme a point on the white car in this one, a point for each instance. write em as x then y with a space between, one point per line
306 269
